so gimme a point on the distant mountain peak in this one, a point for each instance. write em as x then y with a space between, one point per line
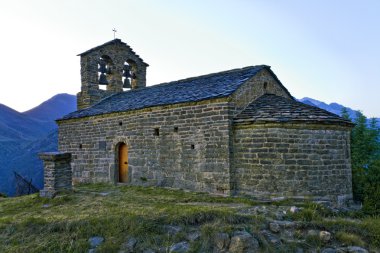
53 108
24 135
332 107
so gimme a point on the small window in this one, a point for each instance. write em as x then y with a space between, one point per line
265 86
175 129
120 123
192 146
80 146
156 132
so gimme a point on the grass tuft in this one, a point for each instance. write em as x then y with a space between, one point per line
349 239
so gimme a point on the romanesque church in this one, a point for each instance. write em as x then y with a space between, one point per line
234 132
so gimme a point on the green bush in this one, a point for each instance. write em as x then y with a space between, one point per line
365 158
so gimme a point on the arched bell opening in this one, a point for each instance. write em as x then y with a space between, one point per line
105 71
129 75
122 170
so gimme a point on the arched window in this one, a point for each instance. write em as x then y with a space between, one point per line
104 69
129 74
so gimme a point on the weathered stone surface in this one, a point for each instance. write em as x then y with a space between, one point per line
243 242
274 227
352 249
129 245
57 173
329 250
180 247
313 232
294 209
95 241
172 230
222 241
115 53
148 251
271 238
193 236
296 161
286 224
167 160
325 236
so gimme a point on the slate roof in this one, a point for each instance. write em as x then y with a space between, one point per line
270 108
194 89
113 42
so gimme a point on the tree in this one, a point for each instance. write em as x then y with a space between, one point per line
371 203
365 158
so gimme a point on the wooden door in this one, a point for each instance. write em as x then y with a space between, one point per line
123 163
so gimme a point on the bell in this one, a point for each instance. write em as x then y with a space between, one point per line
102 67
127 83
126 74
126 71
109 71
126 68
103 79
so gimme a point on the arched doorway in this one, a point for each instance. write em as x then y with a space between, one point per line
123 163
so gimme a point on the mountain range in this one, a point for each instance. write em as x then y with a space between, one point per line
24 135
333 107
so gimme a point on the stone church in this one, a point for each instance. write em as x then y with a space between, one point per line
234 132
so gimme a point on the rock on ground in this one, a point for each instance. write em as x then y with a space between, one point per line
222 241
129 245
193 236
180 247
325 236
95 241
352 249
172 230
329 250
243 242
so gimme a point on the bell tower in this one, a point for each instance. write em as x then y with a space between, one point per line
113 65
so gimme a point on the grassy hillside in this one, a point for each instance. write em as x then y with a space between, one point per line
134 219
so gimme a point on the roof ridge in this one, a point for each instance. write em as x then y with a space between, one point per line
188 79
216 73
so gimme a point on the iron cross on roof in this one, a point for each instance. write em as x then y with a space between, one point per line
114 33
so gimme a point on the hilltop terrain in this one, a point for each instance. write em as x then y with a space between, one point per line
107 218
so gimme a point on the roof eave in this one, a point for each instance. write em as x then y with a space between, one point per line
293 122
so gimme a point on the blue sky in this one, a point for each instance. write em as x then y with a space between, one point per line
327 50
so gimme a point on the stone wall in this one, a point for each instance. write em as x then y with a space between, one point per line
292 160
116 53
190 152
57 173
262 83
